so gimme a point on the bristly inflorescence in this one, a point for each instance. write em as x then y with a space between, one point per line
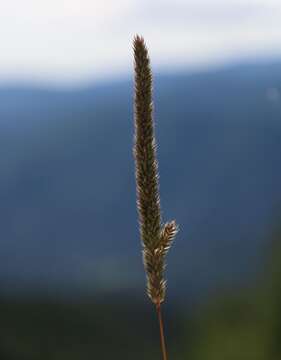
156 239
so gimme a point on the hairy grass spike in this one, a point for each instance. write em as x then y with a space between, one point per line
156 239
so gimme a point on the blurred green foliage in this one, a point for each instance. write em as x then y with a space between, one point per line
242 325
95 330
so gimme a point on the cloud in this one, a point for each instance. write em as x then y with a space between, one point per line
72 40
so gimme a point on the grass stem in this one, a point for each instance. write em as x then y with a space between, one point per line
161 327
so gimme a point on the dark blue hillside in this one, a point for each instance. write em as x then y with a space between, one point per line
67 191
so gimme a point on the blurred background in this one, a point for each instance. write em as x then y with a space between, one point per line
72 284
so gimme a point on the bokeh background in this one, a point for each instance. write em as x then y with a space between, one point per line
71 275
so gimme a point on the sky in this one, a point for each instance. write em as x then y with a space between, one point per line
78 41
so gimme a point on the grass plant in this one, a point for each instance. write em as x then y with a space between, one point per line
156 237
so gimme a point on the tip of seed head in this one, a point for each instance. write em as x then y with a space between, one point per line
139 42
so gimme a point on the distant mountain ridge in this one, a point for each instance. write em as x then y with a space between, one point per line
68 218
